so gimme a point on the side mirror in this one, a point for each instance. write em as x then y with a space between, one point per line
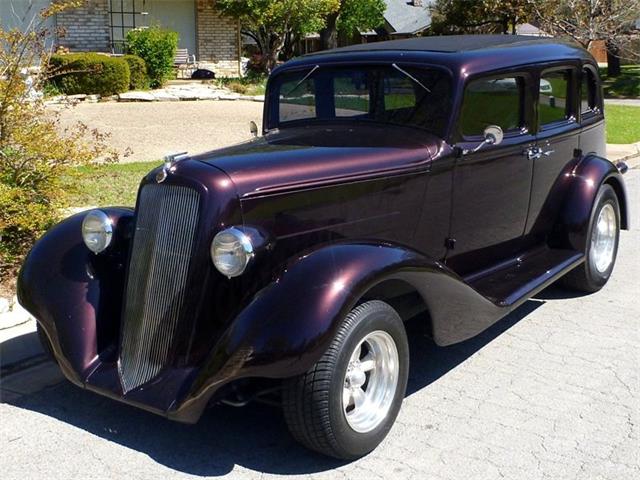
253 128
493 135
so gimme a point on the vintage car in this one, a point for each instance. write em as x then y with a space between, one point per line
430 179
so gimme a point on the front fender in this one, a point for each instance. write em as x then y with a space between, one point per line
289 324
67 289
587 177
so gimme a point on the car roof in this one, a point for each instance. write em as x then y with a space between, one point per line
462 54
444 43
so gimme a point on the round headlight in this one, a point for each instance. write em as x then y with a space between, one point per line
97 231
231 251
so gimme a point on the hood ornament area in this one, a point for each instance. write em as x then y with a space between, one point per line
170 161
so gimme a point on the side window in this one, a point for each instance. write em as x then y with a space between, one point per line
495 101
398 92
553 103
588 92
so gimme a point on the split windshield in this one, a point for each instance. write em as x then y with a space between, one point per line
393 94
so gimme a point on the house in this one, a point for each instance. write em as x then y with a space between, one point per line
102 25
402 19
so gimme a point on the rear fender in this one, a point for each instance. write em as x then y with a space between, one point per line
73 293
587 177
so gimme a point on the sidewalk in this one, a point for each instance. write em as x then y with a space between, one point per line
630 102
629 153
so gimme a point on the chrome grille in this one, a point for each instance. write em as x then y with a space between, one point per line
166 223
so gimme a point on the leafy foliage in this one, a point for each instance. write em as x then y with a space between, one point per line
37 156
270 22
360 15
479 16
90 73
139 79
157 47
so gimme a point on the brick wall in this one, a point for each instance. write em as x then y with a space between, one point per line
86 28
217 37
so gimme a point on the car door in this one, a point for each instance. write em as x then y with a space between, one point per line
557 141
491 186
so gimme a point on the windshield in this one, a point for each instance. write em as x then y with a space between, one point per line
392 94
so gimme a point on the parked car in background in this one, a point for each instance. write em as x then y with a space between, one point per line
431 178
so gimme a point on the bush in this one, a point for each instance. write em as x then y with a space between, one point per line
89 73
37 157
157 47
139 79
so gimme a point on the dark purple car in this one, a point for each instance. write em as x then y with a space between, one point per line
450 177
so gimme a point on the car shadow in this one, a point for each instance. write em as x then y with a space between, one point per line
254 437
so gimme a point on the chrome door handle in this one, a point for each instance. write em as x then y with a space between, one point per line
533 153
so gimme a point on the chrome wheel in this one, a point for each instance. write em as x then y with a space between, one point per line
370 382
603 239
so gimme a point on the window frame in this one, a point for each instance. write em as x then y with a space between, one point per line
594 111
525 104
571 115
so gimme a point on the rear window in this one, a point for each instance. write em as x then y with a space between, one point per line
492 101
400 95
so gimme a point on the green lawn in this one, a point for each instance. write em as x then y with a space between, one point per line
115 184
623 124
626 85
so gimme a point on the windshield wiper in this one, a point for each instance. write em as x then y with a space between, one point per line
407 74
303 79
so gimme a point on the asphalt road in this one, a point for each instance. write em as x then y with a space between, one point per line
552 391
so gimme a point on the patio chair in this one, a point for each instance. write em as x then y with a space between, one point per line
183 62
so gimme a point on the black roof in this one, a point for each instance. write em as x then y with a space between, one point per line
445 43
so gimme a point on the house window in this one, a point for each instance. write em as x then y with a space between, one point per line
124 15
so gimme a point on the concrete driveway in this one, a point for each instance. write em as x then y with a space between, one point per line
552 391
151 130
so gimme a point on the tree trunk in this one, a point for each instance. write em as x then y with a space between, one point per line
329 34
613 60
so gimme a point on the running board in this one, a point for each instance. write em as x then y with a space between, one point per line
511 282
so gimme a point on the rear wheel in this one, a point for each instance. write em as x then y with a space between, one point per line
345 405
602 246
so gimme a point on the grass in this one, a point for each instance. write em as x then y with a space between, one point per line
110 185
625 85
623 123
250 85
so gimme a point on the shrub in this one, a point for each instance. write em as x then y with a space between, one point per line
139 79
89 73
37 157
157 47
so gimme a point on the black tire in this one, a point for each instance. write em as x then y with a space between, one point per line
46 345
312 402
586 277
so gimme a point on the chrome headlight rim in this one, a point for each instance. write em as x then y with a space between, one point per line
103 227
245 248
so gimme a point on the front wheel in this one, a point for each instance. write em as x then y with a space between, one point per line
345 405
602 244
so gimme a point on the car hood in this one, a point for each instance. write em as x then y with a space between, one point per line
294 158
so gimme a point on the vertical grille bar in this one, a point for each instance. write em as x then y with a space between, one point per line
166 223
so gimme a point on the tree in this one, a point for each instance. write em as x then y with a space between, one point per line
586 21
352 15
270 22
479 16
